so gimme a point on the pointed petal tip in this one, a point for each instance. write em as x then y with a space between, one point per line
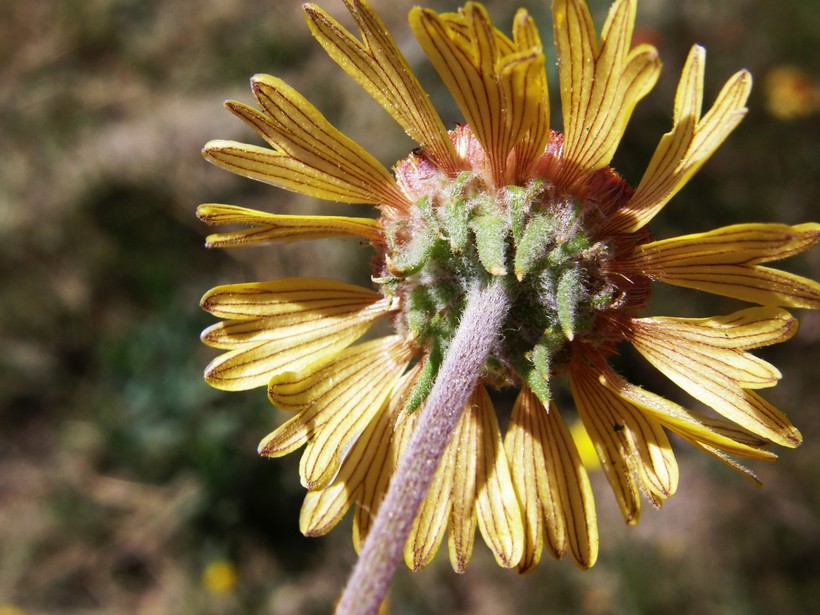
208 303
270 446
308 531
216 145
317 483
264 448
650 51
793 438
506 562
521 14
207 376
808 227
260 79
203 211
587 563
233 106
418 13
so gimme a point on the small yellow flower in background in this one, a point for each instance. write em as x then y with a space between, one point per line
501 198
8 609
791 93
220 577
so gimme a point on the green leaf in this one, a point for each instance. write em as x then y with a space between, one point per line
426 379
420 310
569 294
456 224
491 241
568 249
411 256
517 200
537 237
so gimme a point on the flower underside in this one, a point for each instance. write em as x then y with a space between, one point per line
545 243
501 199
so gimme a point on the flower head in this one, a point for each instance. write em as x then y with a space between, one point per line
501 198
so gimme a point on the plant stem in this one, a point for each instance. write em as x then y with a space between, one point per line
475 337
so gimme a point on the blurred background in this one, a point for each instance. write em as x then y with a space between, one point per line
129 486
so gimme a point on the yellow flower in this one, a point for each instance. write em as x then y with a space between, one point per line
220 577
791 93
500 198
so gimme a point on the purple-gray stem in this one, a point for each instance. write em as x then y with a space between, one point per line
475 337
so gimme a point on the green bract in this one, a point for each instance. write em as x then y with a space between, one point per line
465 232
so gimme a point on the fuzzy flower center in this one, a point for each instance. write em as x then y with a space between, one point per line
464 231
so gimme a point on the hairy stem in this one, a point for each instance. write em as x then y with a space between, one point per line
476 335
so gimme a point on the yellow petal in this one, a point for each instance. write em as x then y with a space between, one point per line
380 68
285 324
324 508
725 261
525 445
267 228
575 43
690 143
574 489
363 475
535 115
309 155
462 524
686 424
640 72
336 401
283 171
717 376
378 476
551 483
731 430
431 520
523 88
465 64
729 461
499 515
647 448
754 284
718 343
585 446
472 486
709 435
738 244
743 330
463 31
600 86
290 299
499 87
612 442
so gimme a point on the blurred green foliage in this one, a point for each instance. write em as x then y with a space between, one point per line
122 475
